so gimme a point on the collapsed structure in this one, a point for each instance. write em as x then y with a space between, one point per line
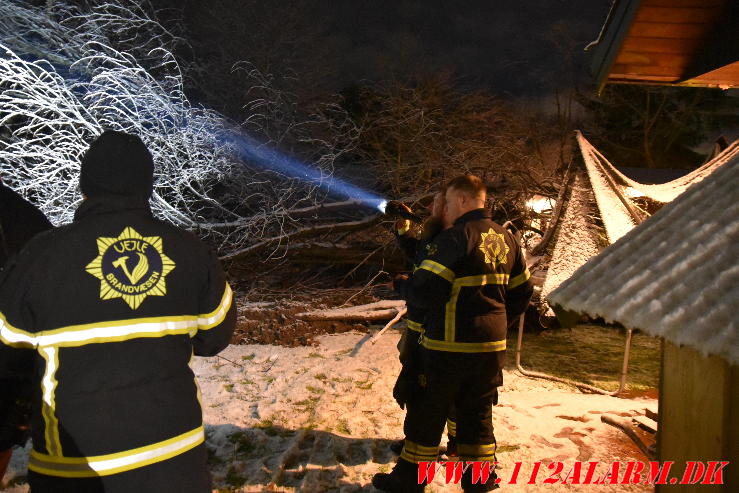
599 205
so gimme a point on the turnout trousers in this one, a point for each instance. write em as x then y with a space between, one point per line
466 382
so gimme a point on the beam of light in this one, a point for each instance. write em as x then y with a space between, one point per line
252 151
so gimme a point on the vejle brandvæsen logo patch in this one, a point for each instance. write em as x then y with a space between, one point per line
131 267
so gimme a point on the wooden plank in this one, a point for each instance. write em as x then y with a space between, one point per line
683 3
678 62
638 79
676 15
692 409
731 452
645 424
669 31
616 29
640 70
661 45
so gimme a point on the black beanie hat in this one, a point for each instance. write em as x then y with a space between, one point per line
117 163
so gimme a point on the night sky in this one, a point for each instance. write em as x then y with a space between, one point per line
513 47
510 45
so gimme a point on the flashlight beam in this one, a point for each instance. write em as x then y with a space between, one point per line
252 151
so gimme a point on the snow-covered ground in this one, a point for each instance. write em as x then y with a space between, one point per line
314 419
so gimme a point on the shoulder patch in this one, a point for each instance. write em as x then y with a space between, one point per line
131 267
494 247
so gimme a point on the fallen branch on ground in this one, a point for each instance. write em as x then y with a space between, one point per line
626 428
380 310
388 325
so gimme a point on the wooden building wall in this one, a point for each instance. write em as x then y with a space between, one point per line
683 42
698 415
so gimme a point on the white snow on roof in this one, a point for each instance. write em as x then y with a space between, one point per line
613 211
575 242
676 275
664 192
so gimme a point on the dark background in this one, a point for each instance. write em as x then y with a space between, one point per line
512 47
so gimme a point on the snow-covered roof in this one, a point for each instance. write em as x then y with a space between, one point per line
617 218
663 192
575 240
676 275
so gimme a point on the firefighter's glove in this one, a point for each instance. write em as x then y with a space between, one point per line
404 388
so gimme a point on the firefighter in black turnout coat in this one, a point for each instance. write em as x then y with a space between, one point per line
472 282
109 310
19 222
415 249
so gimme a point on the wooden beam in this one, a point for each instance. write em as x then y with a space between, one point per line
614 32
620 70
640 79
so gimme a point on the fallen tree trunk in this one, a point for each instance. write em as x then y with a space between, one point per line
380 310
276 241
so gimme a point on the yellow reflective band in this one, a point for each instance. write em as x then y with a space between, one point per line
468 451
406 227
519 279
48 404
415 326
119 330
416 448
438 269
463 347
210 320
15 337
105 465
451 427
450 313
413 452
481 280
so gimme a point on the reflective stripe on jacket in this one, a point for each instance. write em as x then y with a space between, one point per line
472 280
110 310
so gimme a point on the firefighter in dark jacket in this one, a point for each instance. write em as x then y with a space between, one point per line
472 282
414 248
19 222
110 310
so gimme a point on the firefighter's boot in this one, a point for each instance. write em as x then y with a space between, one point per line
469 487
403 479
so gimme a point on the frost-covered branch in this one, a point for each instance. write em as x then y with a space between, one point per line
68 73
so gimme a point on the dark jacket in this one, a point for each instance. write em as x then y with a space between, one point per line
110 309
19 222
472 280
414 250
